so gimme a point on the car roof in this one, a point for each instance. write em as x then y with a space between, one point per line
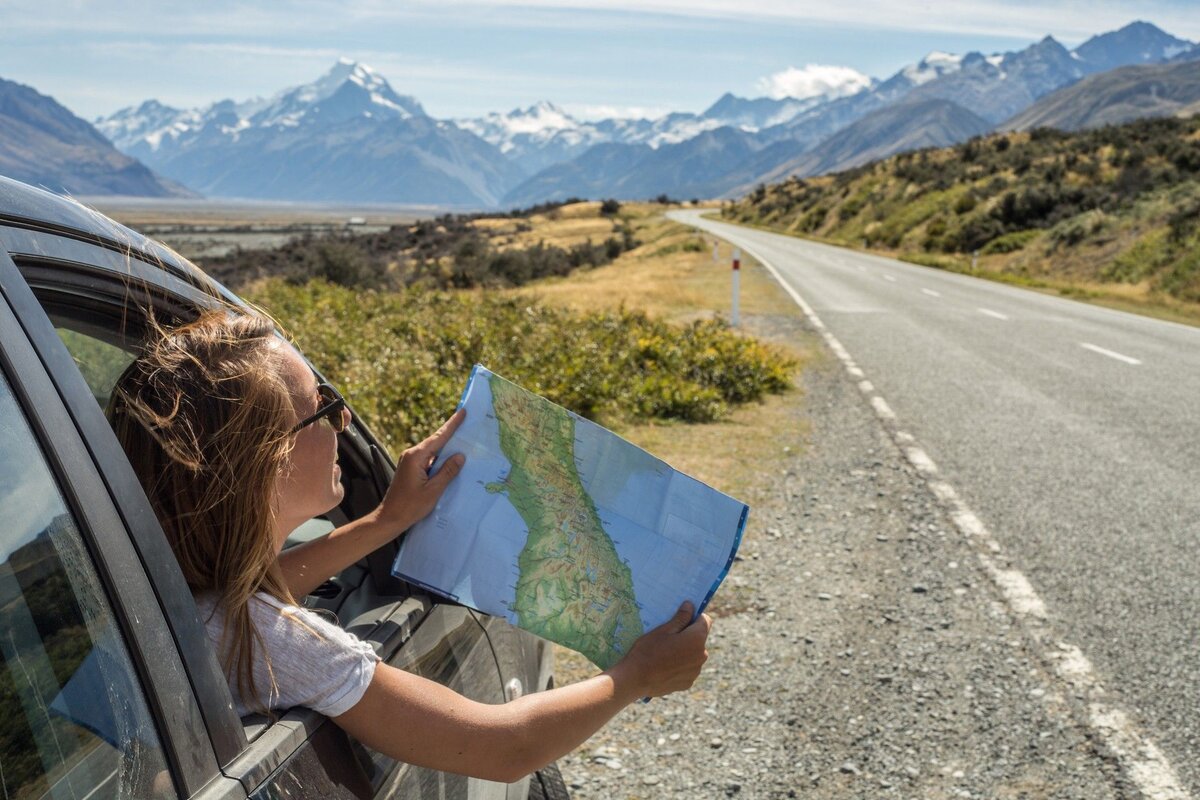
26 205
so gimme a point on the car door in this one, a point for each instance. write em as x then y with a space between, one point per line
90 295
96 701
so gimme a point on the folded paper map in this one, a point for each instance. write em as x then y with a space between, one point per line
566 529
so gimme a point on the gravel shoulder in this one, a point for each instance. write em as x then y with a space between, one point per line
859 650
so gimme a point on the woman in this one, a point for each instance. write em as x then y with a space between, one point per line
236 446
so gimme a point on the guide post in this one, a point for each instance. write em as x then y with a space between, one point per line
716 247
737 263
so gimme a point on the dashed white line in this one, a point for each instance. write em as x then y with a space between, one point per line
1139 759
889 278
932 293
1109 353
990 313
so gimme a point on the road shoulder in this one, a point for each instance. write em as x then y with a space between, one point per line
859 649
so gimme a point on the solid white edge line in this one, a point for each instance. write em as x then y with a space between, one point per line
1138 758
1109 353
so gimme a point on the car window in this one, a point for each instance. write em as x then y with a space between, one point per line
100 362
73 719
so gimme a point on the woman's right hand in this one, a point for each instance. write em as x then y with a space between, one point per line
668 659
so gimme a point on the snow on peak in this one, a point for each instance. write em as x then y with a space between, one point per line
372 96
543 116
345 70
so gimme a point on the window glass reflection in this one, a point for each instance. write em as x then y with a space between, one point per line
73 721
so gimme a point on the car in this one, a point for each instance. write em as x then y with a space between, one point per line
111 686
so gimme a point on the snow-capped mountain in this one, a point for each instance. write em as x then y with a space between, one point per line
535 137
349 135
348 91
346 136
544 134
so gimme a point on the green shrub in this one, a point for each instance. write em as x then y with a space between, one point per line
403 357
1009 242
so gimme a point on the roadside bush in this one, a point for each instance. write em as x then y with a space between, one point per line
1009 242
403 357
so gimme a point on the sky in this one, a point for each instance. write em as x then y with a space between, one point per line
467 58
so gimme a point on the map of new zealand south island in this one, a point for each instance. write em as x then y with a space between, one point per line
573 586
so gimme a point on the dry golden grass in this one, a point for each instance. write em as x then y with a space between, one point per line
565 232
663 279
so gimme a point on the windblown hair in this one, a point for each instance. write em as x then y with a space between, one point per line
204 416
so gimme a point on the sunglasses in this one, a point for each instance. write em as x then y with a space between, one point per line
330 408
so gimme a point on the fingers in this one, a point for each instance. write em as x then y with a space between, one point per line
682 618
438 440
449 471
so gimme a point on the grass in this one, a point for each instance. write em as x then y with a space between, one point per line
678 284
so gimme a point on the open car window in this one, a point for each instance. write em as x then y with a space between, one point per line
102 348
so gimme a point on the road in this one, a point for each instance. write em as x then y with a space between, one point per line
1072 433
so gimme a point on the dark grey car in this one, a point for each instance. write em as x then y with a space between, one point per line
109 686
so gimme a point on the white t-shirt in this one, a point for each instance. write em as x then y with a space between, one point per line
320 666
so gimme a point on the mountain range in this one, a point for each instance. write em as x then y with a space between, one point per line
349 136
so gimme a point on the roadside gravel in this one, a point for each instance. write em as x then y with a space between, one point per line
858 651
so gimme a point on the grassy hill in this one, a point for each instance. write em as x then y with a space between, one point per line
1109 214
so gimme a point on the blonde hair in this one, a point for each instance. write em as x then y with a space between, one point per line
205 417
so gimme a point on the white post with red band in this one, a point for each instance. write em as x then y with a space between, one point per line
737 271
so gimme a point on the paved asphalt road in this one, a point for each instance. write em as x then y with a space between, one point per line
1084 465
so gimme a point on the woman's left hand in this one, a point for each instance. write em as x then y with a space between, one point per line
414 491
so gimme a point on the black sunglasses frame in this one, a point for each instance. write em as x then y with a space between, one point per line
331 409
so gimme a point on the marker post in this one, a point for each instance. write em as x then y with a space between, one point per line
737 264
716 246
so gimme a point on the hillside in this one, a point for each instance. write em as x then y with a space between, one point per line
1112 98
44 144
892 129
1113 210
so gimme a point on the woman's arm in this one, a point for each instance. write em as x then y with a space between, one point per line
412 494
424 723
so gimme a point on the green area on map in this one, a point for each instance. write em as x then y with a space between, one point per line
573 587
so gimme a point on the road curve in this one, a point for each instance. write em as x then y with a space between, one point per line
1072 432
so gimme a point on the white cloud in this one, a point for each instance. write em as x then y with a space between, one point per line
814 80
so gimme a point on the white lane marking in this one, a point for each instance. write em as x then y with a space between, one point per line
1137 757
889 278
1016 588
991 313
918 458
932 293
1109 353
